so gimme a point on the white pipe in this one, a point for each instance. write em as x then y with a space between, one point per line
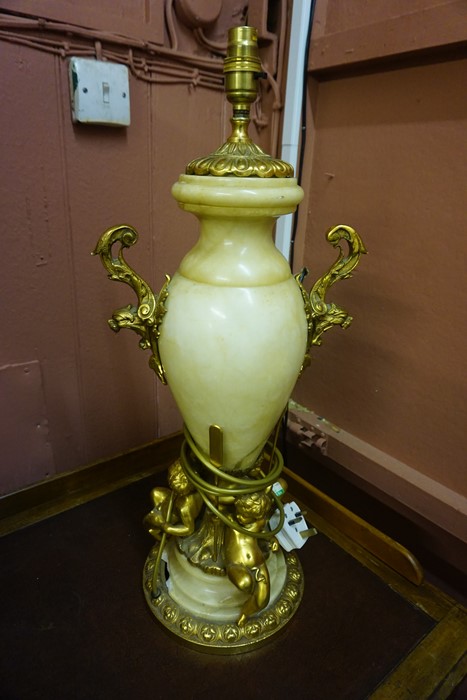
293 108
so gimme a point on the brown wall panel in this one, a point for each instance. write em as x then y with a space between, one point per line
356 32
37 308
387 159
61 186
24 427
141 19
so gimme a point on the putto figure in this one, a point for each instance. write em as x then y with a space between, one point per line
175 508
245 562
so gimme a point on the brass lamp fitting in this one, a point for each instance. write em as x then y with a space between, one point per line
239 156
242 68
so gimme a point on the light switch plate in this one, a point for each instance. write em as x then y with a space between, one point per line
100 92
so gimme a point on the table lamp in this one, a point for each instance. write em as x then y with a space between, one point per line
230 333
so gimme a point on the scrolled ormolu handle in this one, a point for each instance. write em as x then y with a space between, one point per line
146 318
320 315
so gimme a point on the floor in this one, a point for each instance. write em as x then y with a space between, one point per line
75 623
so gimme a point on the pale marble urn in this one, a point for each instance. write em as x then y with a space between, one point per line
235 333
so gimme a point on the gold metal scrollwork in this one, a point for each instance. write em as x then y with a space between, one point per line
241 157
320 315
146 318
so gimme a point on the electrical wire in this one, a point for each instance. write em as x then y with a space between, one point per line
239 486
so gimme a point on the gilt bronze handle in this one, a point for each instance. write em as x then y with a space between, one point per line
146 318
321 315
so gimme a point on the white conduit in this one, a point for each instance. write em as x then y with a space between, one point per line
293 108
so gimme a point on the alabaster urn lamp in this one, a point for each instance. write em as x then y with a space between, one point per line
230 334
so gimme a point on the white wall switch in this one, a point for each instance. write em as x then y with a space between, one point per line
100 92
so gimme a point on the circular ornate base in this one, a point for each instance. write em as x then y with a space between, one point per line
210 636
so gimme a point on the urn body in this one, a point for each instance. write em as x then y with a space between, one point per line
234 336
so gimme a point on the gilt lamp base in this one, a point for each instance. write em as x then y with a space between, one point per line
177 598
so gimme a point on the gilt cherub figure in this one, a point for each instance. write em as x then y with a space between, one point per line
245 561
186 505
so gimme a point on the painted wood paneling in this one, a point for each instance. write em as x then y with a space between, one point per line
62 185
388 158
